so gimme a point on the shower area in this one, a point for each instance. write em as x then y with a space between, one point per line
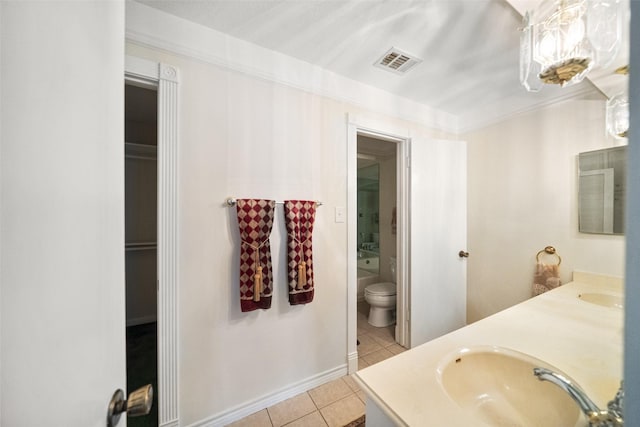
368 224
376 201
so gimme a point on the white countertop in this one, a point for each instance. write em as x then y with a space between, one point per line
582 339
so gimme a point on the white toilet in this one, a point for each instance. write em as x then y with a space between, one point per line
382 300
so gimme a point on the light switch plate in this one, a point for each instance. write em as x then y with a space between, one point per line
341 214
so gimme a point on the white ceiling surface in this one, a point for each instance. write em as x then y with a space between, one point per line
377 148
469 48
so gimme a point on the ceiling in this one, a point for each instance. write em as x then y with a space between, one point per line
372 150
469 48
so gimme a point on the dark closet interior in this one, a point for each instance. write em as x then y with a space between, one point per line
141 243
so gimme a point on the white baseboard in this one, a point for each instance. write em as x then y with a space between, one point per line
248 408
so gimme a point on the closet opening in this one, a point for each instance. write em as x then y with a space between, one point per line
141 260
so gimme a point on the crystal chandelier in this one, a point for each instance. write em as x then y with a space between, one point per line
562 40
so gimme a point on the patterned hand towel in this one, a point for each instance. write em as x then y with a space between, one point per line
546 277
255 221
299 217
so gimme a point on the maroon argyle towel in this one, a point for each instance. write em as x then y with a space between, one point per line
299 216
255 221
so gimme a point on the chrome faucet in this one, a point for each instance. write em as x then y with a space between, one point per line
611 417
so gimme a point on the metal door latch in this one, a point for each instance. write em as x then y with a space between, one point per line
139 403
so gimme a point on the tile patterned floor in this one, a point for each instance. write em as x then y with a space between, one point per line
338 402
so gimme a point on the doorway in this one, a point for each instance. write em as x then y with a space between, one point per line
141 260
377 193
396 142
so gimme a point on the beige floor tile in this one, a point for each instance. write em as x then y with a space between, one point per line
383 336
362 363
259 419
362 323
368 345
383 341
351 382
314 419
396 349
377 356
329 392
343 411
361 330
291 409
362 396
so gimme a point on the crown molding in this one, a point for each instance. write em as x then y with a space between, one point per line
477 120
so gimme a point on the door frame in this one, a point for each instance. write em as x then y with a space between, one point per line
165 78
368 126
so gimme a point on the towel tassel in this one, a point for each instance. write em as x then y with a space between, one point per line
257 278
257 284
302 275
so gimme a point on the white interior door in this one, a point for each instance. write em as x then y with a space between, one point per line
62 258
438 232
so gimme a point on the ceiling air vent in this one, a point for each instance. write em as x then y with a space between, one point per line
397 61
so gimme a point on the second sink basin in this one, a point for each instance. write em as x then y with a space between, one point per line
605 300
497 386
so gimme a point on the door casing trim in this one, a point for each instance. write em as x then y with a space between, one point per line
165 77
364 125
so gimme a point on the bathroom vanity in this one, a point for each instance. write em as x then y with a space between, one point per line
482 374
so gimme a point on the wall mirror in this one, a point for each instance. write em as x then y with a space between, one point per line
368 215
601 190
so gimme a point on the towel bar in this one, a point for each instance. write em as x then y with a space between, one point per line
232 202
551 251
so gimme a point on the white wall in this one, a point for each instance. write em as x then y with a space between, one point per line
523 196
246 138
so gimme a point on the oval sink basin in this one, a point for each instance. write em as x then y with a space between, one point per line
605 300
497 386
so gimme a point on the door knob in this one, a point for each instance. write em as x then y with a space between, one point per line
138 403
463 254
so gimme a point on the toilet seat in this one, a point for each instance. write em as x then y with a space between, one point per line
381 289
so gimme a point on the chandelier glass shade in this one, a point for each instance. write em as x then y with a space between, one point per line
618 115
562 40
